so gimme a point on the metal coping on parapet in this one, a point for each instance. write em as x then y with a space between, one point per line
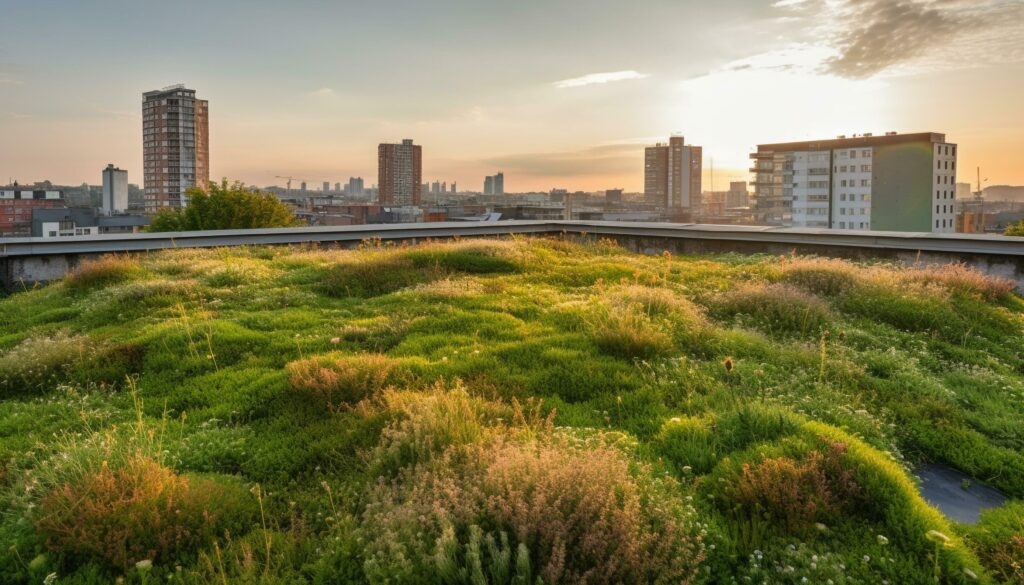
907 241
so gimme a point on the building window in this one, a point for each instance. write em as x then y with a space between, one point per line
842 225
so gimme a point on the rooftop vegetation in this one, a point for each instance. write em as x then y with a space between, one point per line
514 411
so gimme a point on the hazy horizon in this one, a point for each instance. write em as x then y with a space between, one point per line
560 94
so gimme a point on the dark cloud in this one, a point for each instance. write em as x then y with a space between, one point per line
885 33
598 160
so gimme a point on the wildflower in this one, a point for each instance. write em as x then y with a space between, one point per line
144 565
821 527
50 579
882 540
335 340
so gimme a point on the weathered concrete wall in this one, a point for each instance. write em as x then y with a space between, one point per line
24 272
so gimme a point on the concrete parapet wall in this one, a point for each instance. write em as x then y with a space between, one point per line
26 261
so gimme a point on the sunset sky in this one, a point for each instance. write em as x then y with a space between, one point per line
555 93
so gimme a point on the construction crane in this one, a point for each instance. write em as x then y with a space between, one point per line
290 179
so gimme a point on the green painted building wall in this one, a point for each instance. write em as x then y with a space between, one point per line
901 179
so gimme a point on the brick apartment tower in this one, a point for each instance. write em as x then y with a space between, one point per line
672 175
399 172
175 145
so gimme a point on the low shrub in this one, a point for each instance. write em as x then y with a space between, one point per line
140 510
106 270
343 380
998 540
578 513
776 308
796 493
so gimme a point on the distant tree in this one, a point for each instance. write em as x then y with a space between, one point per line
224 207
1015 229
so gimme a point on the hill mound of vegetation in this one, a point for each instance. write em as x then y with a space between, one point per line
515 411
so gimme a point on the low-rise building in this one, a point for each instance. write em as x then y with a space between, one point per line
17 205
82 221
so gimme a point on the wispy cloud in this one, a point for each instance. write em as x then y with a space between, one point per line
864 38
324 92
594 78
886 33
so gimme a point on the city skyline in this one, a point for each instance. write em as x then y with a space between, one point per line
572 108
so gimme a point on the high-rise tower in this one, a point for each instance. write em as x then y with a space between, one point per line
399 172
175 145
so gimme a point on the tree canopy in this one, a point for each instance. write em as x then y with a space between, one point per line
225 206
1015 229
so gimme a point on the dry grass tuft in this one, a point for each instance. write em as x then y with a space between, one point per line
338 381
656 302
776 307
631 333
832 277
106 270
960 278
828 277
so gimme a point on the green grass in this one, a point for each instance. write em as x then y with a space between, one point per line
477 410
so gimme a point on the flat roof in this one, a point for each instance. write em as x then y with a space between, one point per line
168 90
855 142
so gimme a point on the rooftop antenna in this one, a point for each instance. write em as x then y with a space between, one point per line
980 198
